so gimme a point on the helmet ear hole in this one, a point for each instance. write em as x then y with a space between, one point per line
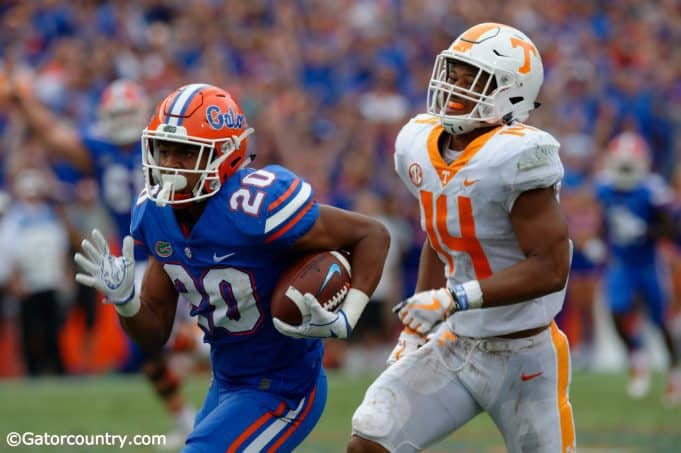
235 163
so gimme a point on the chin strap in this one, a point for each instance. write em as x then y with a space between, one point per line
164 194
171 184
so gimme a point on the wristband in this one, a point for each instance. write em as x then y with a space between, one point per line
353 305
130 308
467 295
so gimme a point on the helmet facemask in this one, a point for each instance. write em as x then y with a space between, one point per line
507 58
484 92
165 185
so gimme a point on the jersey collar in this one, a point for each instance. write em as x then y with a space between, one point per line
447 172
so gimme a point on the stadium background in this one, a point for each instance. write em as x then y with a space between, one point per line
326 86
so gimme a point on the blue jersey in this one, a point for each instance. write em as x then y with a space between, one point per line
227 266
629 216
118 171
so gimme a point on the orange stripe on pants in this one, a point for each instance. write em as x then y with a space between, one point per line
567 423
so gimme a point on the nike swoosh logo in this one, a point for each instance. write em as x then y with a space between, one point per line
334 269
469 182
527 377
217 258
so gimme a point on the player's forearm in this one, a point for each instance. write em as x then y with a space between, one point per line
58 137
431 269
38 118
533 277
147 328
368 257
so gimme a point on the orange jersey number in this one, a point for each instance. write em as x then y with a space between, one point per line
435 213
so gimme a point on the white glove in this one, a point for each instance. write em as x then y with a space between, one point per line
408 342
114 276
317 322
425 309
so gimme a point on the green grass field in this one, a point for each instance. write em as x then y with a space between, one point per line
607 421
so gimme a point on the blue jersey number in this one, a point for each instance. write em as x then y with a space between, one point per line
223 299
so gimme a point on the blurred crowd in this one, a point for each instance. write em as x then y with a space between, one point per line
327 85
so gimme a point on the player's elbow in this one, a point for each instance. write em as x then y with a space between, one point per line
556 280
149 338
379 238
556 269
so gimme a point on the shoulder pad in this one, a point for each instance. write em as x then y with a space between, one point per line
411 130
138 211
533 163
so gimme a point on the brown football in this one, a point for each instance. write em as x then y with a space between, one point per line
326 275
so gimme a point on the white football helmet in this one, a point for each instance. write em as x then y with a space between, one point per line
627 161
123 112
503 55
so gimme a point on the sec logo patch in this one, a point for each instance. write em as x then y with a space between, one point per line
416 174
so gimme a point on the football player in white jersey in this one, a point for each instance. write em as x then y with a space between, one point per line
493 270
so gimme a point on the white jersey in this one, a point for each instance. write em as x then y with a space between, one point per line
465 210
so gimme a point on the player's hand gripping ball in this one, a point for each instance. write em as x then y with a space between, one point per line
325 275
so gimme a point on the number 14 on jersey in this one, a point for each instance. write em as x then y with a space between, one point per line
435 214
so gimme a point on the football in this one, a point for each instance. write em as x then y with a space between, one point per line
326 275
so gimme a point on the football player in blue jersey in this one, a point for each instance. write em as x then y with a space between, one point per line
220 233
110 151
637 209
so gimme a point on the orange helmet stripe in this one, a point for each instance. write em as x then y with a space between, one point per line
471 36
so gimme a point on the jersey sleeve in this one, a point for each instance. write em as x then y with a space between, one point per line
404 143
287 209
536 165
136 225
